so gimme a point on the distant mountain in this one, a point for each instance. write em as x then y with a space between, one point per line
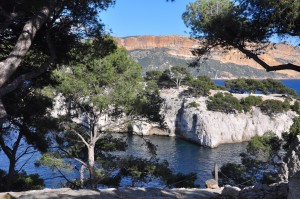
161 52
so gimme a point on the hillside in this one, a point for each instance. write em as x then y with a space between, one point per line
161 52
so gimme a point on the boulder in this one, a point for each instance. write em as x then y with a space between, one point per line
211 184
7 196
231 191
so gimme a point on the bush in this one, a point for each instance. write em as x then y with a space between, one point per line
22 181
224 102
193 104
202 85
242 85
271 106
292 134
181 180
250 101
235 175
261 148
296 107
153 75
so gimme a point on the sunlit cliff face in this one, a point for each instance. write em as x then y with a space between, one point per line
181 46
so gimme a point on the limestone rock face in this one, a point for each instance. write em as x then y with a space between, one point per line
291 164
181 46
293 158
210 128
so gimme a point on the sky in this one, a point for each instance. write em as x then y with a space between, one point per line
145 17
152 17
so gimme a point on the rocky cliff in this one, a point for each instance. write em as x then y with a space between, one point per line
159 52
211 129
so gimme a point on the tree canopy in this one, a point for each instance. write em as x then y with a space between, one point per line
50 28
246 25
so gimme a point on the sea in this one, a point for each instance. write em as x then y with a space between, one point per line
183 156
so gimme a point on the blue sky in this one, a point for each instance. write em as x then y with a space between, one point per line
145 17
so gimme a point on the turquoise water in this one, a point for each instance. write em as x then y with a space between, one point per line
182 156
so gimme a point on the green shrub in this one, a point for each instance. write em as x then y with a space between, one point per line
224 102
180 180
193 104
22 181
242 85
269 178
250 101
260 148
296 107
292 134
202 85
234 175
271 106
153 75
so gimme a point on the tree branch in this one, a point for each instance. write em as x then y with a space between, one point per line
81 137
12 62
266 66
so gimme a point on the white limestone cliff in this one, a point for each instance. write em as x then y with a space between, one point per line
197 124
211 129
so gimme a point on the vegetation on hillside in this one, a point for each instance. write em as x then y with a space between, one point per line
224 102
258 163
266 86
159 59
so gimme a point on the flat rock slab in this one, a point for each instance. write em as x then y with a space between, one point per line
121 193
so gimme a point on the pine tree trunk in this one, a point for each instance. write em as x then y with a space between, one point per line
92 169
10 175
82 176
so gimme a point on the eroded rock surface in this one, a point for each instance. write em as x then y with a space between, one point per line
210 128
126 193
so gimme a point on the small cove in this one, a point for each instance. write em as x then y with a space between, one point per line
182 156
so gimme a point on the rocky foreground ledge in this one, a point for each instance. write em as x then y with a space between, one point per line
124 193
282 190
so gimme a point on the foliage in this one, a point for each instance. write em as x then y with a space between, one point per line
288 137
244 24
99 92
44 29
272 86
141 170
193 104
224 102
255 162
25 129
64 31
250 101
94 87
272 107
261 148
266 86
201 86
235 175
153 75
174 77
242 85
296 107
22 182
148 103
181 180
